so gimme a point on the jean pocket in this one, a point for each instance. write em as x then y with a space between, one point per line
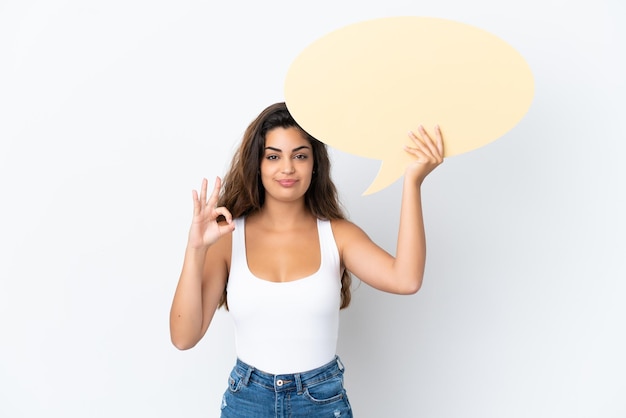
234 382
328 391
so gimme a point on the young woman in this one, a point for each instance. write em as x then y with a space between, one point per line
276 250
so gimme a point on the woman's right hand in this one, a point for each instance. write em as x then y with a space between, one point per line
205 230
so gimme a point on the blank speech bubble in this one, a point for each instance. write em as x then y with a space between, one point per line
361 88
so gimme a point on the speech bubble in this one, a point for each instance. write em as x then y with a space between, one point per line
361 88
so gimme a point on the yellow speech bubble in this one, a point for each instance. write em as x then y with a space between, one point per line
361 88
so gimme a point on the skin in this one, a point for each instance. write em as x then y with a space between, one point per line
281 238
282 243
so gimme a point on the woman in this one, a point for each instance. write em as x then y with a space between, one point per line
276 250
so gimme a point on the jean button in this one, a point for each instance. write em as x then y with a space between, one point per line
279 383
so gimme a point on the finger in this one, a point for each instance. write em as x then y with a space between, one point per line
416 139
421 145
225 229
203 191
422 140
428 142
216 192
439 140
225 213
417 153
196 202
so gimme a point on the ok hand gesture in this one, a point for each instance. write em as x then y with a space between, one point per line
205 230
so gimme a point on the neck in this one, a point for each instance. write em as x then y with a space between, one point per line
280 215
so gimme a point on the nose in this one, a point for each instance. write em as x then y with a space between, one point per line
288 167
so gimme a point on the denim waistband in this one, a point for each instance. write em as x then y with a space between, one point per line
284 382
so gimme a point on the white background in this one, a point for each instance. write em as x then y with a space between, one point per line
112 111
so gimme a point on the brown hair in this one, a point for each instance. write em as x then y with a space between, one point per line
243 192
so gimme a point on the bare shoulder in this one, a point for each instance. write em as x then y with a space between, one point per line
343 226
346 232
360 255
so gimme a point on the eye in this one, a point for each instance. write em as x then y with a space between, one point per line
301 156
271 157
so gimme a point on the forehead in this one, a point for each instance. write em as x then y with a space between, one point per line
286 138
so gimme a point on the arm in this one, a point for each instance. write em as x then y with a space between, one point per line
373 265
204 271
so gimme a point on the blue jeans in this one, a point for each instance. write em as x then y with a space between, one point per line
317 393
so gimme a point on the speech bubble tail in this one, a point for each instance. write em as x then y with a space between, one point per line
387 174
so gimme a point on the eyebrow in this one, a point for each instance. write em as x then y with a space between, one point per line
293 150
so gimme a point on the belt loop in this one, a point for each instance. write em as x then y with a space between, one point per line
340 364
246 378
298 383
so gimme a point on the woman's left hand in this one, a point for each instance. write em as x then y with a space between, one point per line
427 151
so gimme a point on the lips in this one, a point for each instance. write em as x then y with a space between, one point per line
287 182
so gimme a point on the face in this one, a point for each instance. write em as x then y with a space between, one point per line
287 164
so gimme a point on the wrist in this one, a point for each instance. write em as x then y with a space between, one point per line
413 178
194 251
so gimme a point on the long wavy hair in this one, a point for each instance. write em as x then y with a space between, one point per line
243 192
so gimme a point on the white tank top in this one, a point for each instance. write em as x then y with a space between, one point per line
287 327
